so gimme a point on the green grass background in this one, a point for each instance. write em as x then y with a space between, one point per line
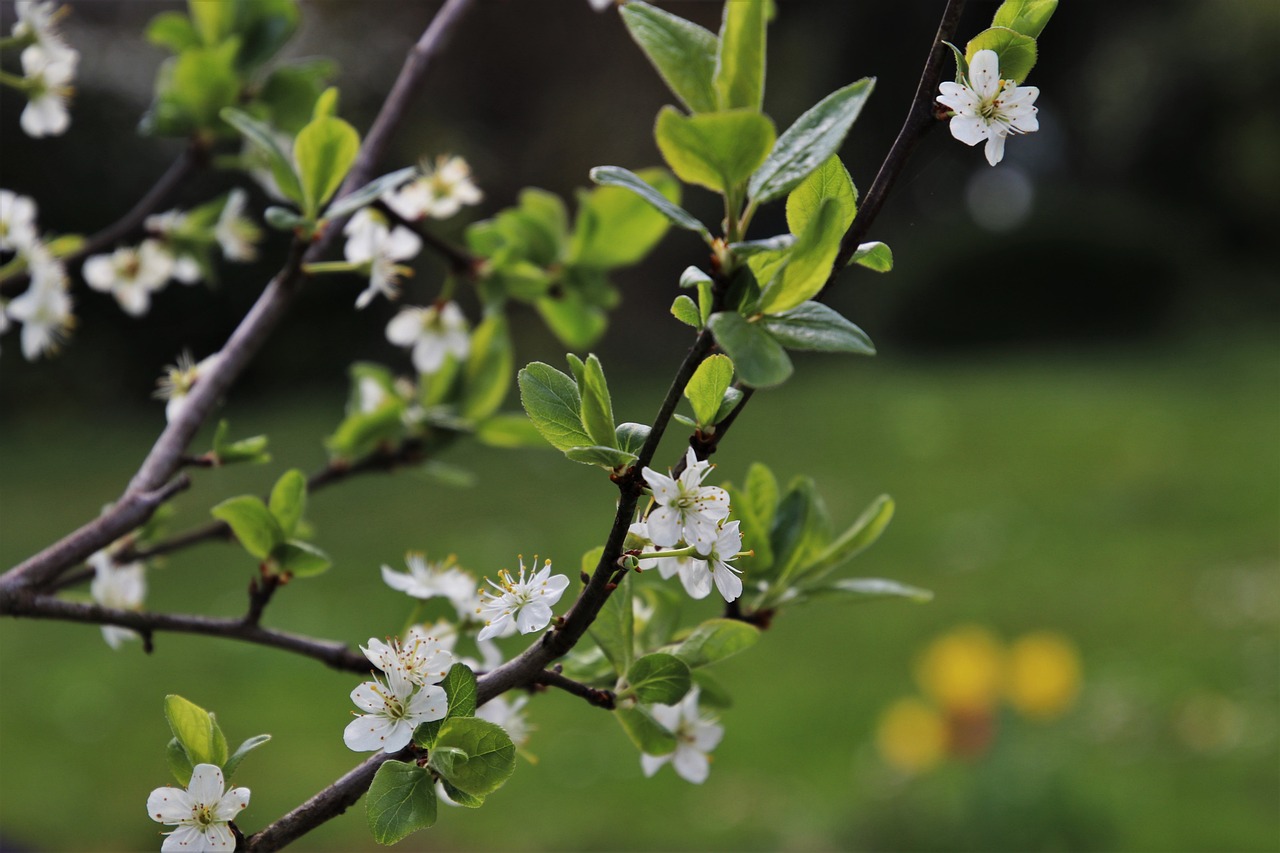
1125 498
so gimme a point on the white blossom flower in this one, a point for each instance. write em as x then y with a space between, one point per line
166 224
38 24
178 380
439 193
44 310
122 587
509 715
394 709
130 275
48 75
433 580
201 812
369 241
989 108
602 5
434 333
170 225
686 509
526 603
17 221
693 575
236 234
695 737
716 566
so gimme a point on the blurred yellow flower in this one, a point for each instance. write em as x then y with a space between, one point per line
912 736
1043 674
963 670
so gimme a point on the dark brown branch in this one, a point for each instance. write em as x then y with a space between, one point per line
594 696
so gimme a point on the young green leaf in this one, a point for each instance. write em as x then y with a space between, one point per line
649 736
683 53
800 528
860 536
172 30
616 176
715 640
179 762
813 138
705 389
213 21
615 227
401 800
575 322
289 500
760 360
762 492
718 151
552 402
323 152
614 628
252 523
195 730
779 243
486 377
263 137
739 75
1017 52
241 751
301 559
686 311
483 756
597 406
829 181
510 431
813 326
631 436
460 692
874 256
659 678
1028 17
808 266
252 449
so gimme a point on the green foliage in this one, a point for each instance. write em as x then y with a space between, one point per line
474 755
179 762
718 151
487 375
252 523
632 436
614 628
658 678
278 162
289 500
323 154
649 736
460 692
370 192
683 53
1017 52
686 311
706 388
288 95
807 267
252 449
874 256
800 529
616 227
301 559
1028 17
829 181
509 431
233 762
191 89
715 640
401 800
761 361
553 404
597 406
864 589
860 536
615 176
197 733
362 430
814 326
740 60
267 532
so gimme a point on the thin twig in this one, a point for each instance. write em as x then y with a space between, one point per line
593 695
460 261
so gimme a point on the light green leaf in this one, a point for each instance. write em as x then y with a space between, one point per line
739 74
874 256
486 377
576 323
213 20
172 30
659 678
204 82
369 193
597 406
289 500
278 162
683 52
715 640
1017 52
692 277
705 389
808 266
195 730
1025 16
252 523
829 181
401 800
813 138
760 360
252 449
868 588
762 491
813 326
649 736
860 536
616 176
510 431
323 153
179 762
597 454
241 751
777 244
361 432
483 755
631 436
551 400
686 311
716 150
301 559
614 627
615 227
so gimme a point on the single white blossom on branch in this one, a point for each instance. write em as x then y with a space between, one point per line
44 309
393 709
438 193
178 380
370 242
49 75
434 333
123 587
988 108
686 509
131 275
524 603
18 228
201 812
695 735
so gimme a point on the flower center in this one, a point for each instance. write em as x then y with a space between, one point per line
203 817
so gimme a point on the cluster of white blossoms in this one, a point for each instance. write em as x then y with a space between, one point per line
123 587
526 604
696 735
200 813
44 308
437 193
48 68
433 334
378 249
987 108
407 695
693 515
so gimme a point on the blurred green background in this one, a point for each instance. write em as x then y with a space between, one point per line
1075 407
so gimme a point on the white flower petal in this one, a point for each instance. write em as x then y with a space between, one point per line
650 763
218 836
984 73
729 584
664 526
370 696
169 805
692 765
206 784
969 129
184 839
367 733
696 579
231 804
995 148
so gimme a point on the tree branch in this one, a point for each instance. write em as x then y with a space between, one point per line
594 696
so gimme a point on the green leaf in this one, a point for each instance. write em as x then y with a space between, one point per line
289 500
715 640
252 523
195 730
551 400
860 536
172 30
659 678
326 105
597 406
866 589
649 736
179 762
1025 16
252 449
809 264
761 361
874 256
323 152
762 492
807 144
264 26
718 151
829 181
596 454
1017 52
204 82
813 326
799 529
728 403
242 750
777 244
739 74
301 559
616 176
361 432
213 21
705 389
711 693
290 92
755 534
510 431
460 692
692 277
614 627
615 227
369 193
483 759
401 800
462 798
278 162
487 375
631 436
683 52
686 311
574 322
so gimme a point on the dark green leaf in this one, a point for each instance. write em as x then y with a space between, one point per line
616 176
813 326
179 762
252 523
649 736
462 798
614 627
761 361
683 52
715 640
483 756
552 402
631 436
659 679
401 800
